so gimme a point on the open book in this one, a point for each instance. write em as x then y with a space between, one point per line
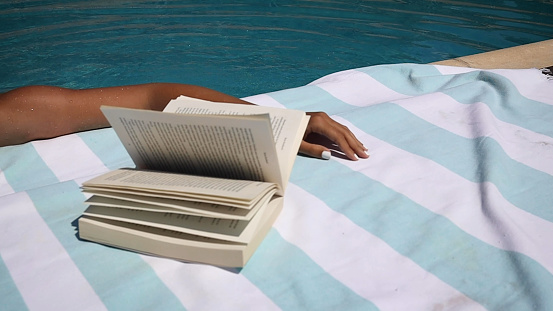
208 184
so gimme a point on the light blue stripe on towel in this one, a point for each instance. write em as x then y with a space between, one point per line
404 79
310 98
295 282
506 103
408 79
107 147
24 168
60 206
492 89
11 298
478 160
480 271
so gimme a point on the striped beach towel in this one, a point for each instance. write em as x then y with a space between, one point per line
453 210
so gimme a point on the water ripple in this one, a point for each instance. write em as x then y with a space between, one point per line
247 47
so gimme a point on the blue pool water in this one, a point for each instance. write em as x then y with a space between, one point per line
246 47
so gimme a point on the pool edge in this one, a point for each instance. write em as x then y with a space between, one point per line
532 55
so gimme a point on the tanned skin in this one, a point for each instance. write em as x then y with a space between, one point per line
40 112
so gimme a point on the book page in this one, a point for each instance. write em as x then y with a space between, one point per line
155 204
164 205
240 193
235 147
234 230
224 229
288 125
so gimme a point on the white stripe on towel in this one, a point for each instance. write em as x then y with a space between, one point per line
477 120
69 157
534 239
264 100
35 258
453 70
213 286
5 187
526 81
352 86
328 242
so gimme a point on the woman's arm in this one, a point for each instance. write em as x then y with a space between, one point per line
38 112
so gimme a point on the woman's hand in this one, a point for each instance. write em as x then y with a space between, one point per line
320 123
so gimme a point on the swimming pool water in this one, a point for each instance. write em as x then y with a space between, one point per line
246 47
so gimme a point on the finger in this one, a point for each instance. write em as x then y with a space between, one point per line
346 141
342 141
352 142
314 150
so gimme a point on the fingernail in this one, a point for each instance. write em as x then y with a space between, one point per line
326 155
